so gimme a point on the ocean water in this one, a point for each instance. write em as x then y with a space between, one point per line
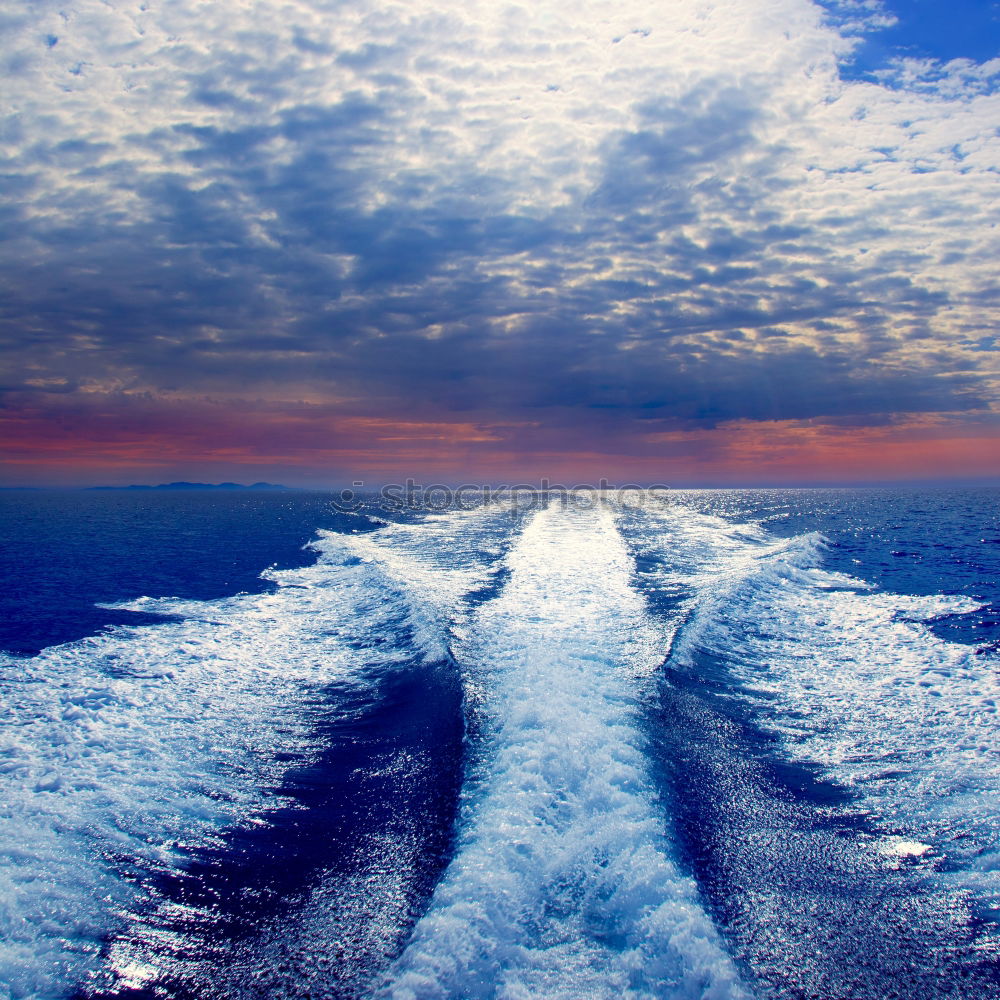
692 744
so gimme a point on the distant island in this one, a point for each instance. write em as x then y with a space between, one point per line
198 486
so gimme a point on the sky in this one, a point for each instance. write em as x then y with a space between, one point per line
694 242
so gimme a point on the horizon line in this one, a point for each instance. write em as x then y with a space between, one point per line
541 486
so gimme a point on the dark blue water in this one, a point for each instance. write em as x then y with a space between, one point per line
908 541
315 891
63 552
369 822
773 841
390 770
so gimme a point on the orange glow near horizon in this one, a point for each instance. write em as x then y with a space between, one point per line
128 440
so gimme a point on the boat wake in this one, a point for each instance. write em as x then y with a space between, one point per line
593 750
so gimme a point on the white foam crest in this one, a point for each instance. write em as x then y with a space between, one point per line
436 561
852 678
746 571
118 750
700 560
564 883
864 688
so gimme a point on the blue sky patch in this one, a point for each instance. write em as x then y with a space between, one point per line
925 29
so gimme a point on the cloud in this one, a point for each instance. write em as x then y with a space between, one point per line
605 216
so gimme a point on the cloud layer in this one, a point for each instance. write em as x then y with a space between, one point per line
612 222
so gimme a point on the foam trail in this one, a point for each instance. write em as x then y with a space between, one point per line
563 884
850 678
855 681
121 752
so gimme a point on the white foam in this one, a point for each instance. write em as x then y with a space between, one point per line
120 749
437 561
851 678
564 884
688 551
899 847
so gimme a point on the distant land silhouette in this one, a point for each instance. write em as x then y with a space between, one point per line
197 486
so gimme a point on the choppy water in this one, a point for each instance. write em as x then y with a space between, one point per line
707 744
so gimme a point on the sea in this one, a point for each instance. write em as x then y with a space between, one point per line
699 744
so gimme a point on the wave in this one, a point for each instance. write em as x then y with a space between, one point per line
564 883
129 749
130 752
850 678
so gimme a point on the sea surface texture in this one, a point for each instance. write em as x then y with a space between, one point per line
674 744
